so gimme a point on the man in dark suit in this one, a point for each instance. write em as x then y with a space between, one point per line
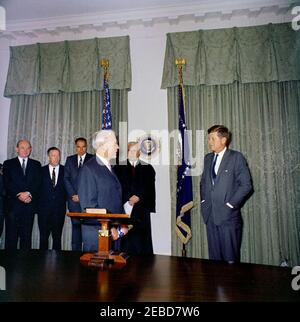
224 188
21 182
138 186
73 166
98 186
1 200
52 201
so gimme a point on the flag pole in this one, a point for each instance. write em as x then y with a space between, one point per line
179 62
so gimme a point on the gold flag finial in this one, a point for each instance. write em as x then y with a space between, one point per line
179 62
105 64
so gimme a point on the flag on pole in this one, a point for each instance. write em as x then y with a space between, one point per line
106 113
184 202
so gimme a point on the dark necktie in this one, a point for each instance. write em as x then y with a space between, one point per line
53 179
24 167
132 169
80 163
213 172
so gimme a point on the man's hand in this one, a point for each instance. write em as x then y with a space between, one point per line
133 200
75 198
119 232
25 196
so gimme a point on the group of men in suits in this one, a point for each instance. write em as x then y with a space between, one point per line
225 186
86 181
30 188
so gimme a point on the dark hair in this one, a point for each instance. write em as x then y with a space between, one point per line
81 139
222 132
53 148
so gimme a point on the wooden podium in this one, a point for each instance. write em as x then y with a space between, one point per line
105 255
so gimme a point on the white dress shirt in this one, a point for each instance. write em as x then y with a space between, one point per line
21 161
105 162
134 163
56 170
219 159
82 158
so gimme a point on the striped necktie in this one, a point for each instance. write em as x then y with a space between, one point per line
80 163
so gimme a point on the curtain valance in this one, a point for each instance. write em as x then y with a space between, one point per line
222 56
68 66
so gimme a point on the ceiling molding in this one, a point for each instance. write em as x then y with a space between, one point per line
145 17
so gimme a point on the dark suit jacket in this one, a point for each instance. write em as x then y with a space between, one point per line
1 194
1 200
52 197
233 184
142 184
71 180
15 182
139 181
99 188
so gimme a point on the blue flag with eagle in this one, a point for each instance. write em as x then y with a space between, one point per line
106 113
184 202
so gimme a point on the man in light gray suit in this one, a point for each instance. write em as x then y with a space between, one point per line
99 187
224 188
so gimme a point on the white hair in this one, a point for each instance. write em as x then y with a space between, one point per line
100 137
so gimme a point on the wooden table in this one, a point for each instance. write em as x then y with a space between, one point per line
58 276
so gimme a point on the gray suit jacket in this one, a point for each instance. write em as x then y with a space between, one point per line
99 188
233 184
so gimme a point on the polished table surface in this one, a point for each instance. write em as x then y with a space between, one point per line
59 276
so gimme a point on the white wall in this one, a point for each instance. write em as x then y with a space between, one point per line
147 102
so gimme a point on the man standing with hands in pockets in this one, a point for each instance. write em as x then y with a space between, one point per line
224 188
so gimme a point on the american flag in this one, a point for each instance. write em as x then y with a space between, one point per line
184 180
106 113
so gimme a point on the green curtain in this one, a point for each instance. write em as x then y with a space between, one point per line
247 79
57 119
222 56
68 66
265 120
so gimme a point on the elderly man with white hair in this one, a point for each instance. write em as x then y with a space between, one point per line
99 187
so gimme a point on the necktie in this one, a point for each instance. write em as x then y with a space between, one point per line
24 167
80 163
53 179
213 172
132 168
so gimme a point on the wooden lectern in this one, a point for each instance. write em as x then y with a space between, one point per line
105 255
